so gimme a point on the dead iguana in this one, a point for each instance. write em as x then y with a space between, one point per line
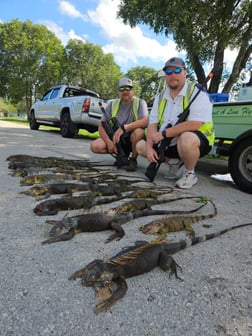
42 191
51 207
94 222
174 224
132 261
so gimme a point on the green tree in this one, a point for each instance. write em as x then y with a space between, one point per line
30 60
145 82
89 67
6 107
204 28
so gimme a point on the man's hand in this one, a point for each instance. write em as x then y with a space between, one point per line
116 137
152 155
111 147
156 137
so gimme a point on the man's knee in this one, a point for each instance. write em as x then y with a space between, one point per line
137 135
141 147
188 140
97 146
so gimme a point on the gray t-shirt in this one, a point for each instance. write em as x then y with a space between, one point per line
125 113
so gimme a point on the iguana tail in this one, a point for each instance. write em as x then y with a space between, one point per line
199 239
172 248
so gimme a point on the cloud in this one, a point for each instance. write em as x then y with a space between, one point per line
127 44
68 9
229 57
63 36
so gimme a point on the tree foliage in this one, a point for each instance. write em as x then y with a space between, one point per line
145 81
89 67
30 59
204 28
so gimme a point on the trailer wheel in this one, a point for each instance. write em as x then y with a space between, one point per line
32 122
67 128
240 164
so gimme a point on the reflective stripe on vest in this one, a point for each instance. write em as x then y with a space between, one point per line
206 128
135 107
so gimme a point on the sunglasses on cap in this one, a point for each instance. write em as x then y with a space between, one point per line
177 71
124 88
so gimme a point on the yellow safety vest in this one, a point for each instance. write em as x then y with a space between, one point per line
135 107
206 128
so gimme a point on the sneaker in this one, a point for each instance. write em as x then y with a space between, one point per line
175 169
187 180
132 165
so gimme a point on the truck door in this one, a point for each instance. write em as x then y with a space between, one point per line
52 105
41 110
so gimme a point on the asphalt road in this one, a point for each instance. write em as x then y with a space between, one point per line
37 299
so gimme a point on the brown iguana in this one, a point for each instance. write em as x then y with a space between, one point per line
92 222
173 224
132 261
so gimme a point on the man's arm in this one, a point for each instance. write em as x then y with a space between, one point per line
140 123
176 130
151 153
111 147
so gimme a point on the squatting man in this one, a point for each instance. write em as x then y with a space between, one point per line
132 114
192 138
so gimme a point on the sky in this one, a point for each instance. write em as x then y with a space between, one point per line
96 22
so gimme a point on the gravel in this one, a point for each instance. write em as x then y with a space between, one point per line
37 298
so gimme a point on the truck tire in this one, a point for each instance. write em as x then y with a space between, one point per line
67 127
240 164
32 122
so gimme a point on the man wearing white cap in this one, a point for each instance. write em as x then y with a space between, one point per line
132 116
192 138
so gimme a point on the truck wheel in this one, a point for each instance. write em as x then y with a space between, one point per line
67 128
33 123
240 164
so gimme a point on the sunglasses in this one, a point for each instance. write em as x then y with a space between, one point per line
177 71
124 88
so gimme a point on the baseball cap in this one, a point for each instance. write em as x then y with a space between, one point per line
174 61
125 82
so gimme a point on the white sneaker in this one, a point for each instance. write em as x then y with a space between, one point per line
187 180
175 169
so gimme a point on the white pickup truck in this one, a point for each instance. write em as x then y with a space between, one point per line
68 107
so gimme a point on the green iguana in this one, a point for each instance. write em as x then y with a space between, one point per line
51 207
173 224
132 261
40 191
93 222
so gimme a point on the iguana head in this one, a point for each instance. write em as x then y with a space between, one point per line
151 228
97 276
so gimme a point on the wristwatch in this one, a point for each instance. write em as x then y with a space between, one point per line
164 133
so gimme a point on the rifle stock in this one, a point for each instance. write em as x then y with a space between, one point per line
121 157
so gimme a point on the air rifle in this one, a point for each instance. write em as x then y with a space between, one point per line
162 146
121 157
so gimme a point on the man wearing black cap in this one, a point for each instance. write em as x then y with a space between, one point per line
132 114
192 138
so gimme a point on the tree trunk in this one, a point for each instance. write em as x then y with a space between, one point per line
218 69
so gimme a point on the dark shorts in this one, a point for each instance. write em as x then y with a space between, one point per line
172 151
